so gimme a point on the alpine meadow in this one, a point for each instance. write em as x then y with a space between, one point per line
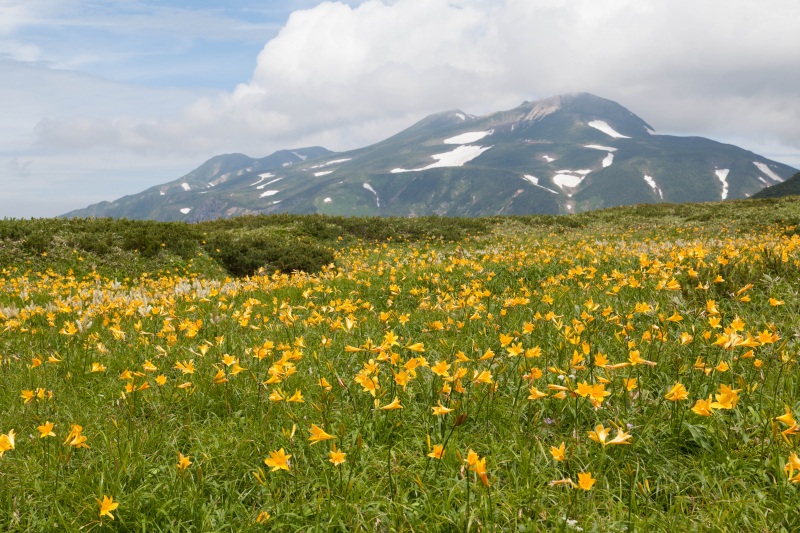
633 368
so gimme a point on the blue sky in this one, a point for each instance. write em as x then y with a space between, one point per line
103 98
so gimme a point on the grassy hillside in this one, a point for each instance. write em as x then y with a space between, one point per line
790 187
632 368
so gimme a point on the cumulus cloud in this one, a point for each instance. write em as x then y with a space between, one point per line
19 169
350 74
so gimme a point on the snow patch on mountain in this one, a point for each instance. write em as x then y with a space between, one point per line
461 116
567 178
323 173
186 186
722 174
455 158
768 171
186 210
262 177
535 181
653 185
468 137
327 200
268 183
762 180
334 162
299 156
548 158
373 191
605 128
607 160
600 147
268 193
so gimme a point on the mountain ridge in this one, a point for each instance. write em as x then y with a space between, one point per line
562 154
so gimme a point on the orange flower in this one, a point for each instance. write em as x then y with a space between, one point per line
318 434
107 504
278 460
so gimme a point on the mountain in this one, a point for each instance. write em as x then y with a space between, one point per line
562 154
790 187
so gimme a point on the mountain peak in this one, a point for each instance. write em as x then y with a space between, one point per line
562 154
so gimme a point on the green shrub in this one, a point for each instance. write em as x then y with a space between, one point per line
244 255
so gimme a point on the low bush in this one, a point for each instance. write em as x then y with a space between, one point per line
244 255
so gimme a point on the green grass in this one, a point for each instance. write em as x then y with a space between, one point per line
590 284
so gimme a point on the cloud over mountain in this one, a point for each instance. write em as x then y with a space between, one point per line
336 67
112 80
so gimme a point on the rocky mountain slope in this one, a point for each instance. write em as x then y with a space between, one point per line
563 154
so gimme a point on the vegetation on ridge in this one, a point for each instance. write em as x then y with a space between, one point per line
633 368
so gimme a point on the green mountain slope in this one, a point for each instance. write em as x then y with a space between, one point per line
790 187
563 154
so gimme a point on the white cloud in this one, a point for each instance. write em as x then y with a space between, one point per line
715 67
348 74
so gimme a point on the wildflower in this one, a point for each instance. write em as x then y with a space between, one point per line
441 369
297 397
598 392
46 430
395 404
441 409
219 377
703 407
7 442
480 469
533 352
276 395
262 517
185 367
278 460
536 394
585 480
635 359
505 340
787 417
621 438
107 504
438 451
484 376
600 434
369 383
335 456
318 434
75 437
677 393
792 464
515 350
98 367
402 378
183 461
558 453
727 397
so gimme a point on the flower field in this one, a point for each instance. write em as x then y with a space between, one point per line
621 373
